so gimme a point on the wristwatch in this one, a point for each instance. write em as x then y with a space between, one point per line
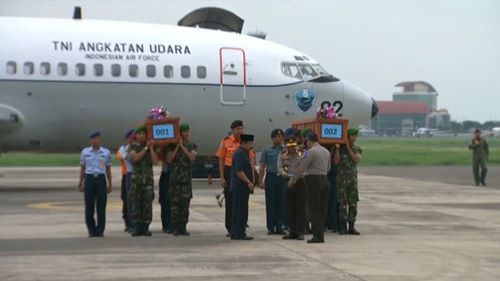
146 148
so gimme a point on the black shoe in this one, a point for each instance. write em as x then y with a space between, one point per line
147 233
228 235
247 238
352 230
289 237
136 232
343 229
314 241
299 237
184 230
270 232
281 232
483 183
126 229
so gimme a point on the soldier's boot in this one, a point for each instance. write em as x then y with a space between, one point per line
343 228
137 231
352 230
184 230
146 231
177 229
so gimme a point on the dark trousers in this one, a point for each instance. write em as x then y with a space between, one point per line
239 214
228 199
95 199
275 206
123 196
479 164
128 183
332 217
295 207
317 195
165 203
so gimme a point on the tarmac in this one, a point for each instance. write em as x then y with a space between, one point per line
413 228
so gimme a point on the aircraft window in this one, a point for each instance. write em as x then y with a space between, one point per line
98 69
201 72
116 70
299 58
151 71
62 69
45 68
168 71
307 71
185 71
29 68
291 69
133 70
11 67
80 69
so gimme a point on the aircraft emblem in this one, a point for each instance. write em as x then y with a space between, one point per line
305 99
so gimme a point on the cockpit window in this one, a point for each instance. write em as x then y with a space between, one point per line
291 70
319 69
307 71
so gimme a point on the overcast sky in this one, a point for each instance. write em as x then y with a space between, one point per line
452 44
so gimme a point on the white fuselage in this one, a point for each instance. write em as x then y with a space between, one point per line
61 79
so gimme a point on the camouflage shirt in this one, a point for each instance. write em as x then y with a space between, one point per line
143 167
346 165
181 167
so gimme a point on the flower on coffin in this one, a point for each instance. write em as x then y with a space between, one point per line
159 113
328 111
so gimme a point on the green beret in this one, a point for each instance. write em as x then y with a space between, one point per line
140 129
184 127
305 132
352 132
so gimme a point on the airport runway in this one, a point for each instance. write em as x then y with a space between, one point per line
411 230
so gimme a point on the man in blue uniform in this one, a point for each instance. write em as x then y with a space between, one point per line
95 167
241 186
273 185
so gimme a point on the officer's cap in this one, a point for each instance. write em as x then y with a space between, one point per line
276 132
95 134
352 132
246 138
290 132
236 123
290 141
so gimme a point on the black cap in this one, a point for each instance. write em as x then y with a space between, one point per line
246 138
312 137
276 132
95 134
290 132
236 123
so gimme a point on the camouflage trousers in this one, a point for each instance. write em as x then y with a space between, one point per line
141 199
348 197
180 198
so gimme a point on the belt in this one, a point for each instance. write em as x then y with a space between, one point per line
94 175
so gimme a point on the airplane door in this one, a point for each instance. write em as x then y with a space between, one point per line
233 76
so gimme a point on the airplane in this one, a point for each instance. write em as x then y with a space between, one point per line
62 78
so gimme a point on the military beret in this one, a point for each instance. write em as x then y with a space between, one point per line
276 132
128 133
305 132
184 127
246 138
352 132
140 129
236 123
312 137
95 134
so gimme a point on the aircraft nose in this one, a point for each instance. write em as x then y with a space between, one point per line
374 108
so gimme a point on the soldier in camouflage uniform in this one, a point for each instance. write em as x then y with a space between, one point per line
180 159
295 194
347 158
480 156
141 191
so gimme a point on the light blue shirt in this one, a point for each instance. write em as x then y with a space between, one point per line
95 161
127 158
269 157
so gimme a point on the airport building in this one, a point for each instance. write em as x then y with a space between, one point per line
413 107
